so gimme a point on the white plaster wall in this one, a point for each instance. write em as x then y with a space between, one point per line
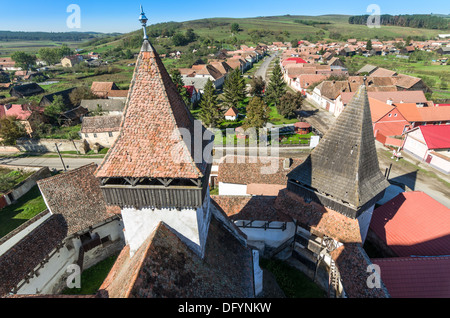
191 224
440 164
232 189
272 238
415 147
50 275
16 238
364 222
257 273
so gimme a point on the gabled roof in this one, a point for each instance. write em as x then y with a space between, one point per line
76 196
97 124
436 136
344 165
151 143
415 277
413 223
232 111
164 267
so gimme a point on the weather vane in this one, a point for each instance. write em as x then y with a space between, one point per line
143 19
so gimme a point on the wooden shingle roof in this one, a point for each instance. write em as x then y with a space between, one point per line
151 143
344 166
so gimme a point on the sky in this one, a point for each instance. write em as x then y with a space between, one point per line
122 15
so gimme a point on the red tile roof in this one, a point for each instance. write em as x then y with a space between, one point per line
413 223
416 277
151 143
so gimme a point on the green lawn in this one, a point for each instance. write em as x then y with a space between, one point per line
92 278
294 283
295 139
10 178
28 206
277 119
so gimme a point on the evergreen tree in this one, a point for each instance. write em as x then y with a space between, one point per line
258 113
369 45
234 89
178 81
210 114
276 87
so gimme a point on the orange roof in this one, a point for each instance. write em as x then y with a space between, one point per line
231 112
409 111
379 109
434 113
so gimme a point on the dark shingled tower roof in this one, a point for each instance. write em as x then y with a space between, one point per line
151 143
342 172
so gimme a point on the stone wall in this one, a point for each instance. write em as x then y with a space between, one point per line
48 145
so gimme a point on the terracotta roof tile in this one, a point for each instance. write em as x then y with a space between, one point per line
150 143
76 196
97 124
164 267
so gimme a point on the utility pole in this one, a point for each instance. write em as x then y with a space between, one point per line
60 157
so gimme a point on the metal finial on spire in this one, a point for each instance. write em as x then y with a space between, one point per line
143 19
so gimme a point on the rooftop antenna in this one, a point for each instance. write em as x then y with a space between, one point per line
143 19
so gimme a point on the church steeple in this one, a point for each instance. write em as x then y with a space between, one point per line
343 172
158 168
158 159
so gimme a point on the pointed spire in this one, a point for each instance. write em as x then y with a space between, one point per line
343 170
152 142
143 19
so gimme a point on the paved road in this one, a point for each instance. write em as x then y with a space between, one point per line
52 163
262 70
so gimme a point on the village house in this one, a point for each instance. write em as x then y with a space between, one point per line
48 99
414 245
101 130
104 106
71 61
8 64
231 114
430 144
26 90
103 89
25 114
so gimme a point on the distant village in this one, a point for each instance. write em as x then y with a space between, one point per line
316 212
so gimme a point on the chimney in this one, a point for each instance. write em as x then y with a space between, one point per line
389 101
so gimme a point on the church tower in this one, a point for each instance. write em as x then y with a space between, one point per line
342 172
158 168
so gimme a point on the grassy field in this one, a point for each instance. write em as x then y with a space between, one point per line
293 282
7 48
28 206
10 178
92 278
